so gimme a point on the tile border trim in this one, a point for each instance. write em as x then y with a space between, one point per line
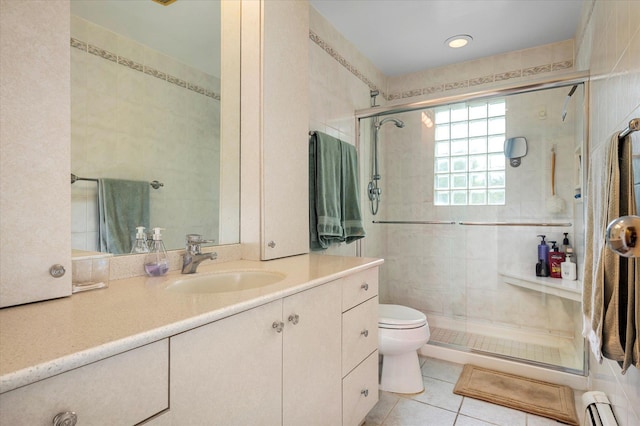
121 60
441 87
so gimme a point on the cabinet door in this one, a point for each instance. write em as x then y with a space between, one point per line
229 372
311 357
124 389
285 129
35 200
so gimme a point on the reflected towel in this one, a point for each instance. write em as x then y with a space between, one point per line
122 205
334 205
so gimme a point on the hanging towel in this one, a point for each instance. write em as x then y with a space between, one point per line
334 207
351 218
122 205
610 293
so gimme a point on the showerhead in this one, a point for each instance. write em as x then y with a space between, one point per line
398 123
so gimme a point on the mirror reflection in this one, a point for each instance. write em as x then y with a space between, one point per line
146 136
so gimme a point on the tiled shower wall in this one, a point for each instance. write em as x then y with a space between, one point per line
133 105
452 270
608 44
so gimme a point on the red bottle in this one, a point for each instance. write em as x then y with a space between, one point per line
555 261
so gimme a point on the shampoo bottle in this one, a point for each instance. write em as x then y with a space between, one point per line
156 262
542 268
140 244
569 269
555 261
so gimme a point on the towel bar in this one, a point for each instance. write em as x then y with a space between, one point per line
154 184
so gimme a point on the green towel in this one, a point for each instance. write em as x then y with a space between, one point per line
334 206
122 206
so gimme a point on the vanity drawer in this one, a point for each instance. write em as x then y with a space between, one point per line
124 389
359 334
360 391
359 287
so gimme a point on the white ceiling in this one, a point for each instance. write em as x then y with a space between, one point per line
405 36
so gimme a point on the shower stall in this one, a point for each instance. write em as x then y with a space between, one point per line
458 223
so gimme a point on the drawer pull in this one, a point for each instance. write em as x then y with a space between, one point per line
278 326
364 333
365 392
294 318
364 286
68 418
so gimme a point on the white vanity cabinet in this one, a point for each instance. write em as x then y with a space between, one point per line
359 345
277 364
124 389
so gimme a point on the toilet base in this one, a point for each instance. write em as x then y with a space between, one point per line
401 373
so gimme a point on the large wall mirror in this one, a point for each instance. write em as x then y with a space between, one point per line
155 121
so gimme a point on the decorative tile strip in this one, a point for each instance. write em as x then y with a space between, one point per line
508 75
102 53
433 89
562 65
412 93
176 81
456 85
78 44
481 80
394 96
155 73
536 70
342 61
130 64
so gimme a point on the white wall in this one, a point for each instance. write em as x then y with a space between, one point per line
608 44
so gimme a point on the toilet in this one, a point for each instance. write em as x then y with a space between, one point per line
401 332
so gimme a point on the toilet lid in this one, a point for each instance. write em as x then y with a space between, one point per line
397 316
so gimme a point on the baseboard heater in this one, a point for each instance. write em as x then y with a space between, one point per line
598 410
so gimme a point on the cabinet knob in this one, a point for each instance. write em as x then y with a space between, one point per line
364 333
272 244
57 270
364 286
294 318
364 392
278 326
68 418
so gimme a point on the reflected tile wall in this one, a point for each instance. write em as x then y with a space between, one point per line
131 102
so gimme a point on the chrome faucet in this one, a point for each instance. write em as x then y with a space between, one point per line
192 257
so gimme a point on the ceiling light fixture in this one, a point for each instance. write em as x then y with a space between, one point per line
458 41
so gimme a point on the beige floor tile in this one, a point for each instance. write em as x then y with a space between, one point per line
441 370
386 402
439 394
412 413
492 413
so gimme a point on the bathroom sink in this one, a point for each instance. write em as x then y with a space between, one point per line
225 282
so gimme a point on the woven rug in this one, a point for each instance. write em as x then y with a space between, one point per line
529 395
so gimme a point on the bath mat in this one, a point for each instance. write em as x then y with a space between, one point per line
520 393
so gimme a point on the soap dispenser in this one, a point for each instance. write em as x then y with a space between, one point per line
556 258
542 268
156 262
565 242
140 244
569 268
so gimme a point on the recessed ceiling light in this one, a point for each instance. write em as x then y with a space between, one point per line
458 41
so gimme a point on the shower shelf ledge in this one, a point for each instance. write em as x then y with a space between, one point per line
566 289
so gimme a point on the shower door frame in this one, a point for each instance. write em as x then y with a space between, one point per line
511 89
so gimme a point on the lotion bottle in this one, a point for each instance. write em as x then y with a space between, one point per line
569 269
156 262
140 244
542 267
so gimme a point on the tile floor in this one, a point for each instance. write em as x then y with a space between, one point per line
439 406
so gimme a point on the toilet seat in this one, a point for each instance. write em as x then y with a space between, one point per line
400 317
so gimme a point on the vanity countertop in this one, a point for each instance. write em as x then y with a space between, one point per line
40 340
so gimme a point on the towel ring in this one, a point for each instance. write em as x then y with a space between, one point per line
622 236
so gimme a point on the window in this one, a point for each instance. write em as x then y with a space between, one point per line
469 154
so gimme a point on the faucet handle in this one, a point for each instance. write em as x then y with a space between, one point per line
194 241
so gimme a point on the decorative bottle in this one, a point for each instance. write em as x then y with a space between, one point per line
156 262
140 244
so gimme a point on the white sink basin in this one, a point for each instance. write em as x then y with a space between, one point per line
225 282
